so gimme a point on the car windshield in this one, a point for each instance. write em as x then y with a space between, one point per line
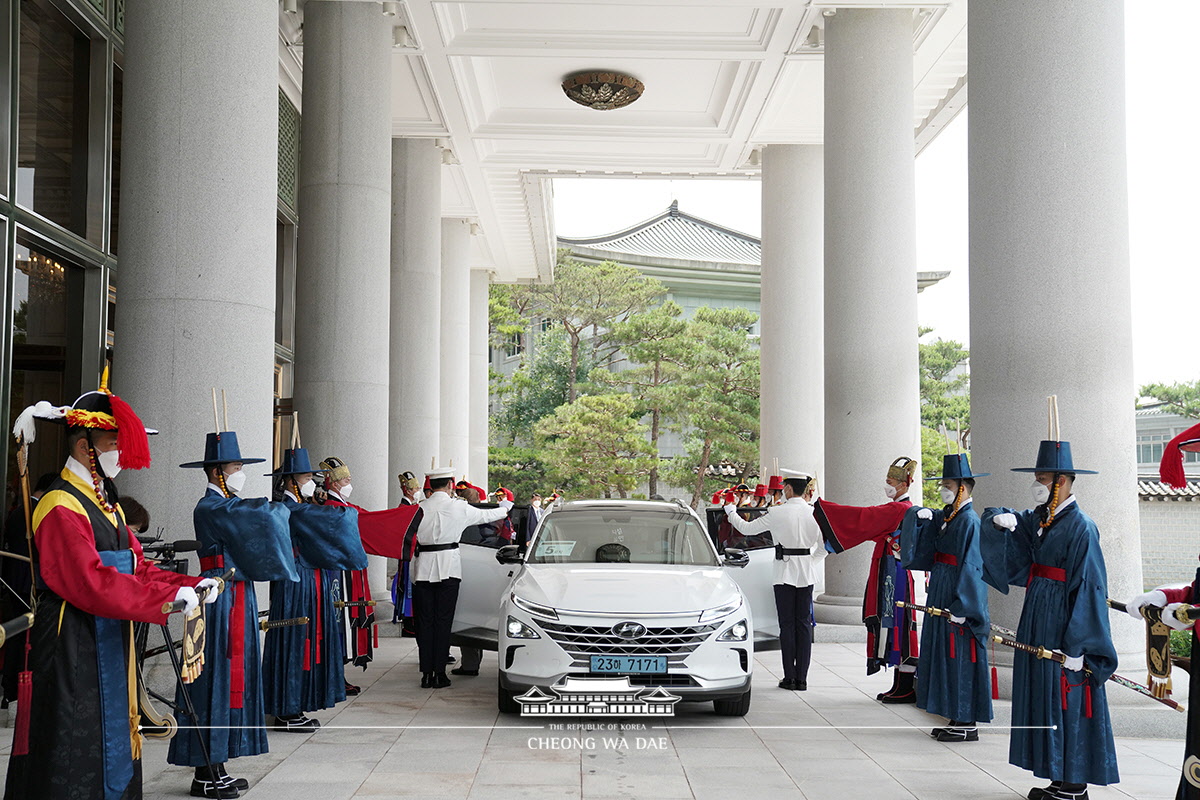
636 537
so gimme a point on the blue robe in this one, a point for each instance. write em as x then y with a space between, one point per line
1070 616
954 684
303 664
251 536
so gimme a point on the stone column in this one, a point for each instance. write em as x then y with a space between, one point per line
455 403
1049 259
196 281
478 426
871 387
341 384
793 336
416 355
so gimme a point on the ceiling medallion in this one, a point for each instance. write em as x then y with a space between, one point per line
603 91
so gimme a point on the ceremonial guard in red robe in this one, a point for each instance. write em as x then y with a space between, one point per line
891 630
92 583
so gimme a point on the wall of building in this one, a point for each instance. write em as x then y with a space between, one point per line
1170 540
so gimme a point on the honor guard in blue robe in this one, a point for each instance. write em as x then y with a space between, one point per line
303 665
252 537
1061 727
952 675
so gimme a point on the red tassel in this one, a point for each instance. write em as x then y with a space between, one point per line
952 654
973 659
995 684
320 637
375 631
1063 687
1170 469
20 746
1087 698
131 435
307 655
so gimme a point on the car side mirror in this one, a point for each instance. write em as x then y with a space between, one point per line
736 558
509 554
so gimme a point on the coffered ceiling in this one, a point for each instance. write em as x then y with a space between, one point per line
721 79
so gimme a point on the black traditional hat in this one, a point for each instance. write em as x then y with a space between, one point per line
221 448
1055 457
956 467
295 461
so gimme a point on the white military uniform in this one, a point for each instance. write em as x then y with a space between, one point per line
792 525
442 522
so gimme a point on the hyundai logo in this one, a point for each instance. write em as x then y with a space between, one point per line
629 630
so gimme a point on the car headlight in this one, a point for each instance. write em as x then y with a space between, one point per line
736 632
721 611
537 609
519 630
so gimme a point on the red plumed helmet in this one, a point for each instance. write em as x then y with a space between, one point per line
1170 469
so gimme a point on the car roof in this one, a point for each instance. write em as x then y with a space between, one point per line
625 505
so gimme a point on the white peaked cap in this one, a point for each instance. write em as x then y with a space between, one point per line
440 472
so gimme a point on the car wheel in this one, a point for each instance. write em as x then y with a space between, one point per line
733 708
505 700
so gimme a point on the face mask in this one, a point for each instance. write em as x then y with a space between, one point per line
108 462
308 489
948 495
345 491
1041 493
535 503
418 496
889 490
236 481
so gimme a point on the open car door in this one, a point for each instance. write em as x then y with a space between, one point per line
484 580
755 579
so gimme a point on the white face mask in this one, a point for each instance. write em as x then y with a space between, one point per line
345 491
108 462
236 481
418 496
308 489
948 495
889 490
1041 493
535 503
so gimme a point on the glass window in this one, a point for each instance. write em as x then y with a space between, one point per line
5 101
52 129
285 284
615 536
117 99
47 293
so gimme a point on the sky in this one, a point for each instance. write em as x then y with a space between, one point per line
1163 125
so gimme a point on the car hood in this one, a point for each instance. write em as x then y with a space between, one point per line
625 588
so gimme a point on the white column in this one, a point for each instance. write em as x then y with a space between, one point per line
792 344
455 402
478 426
341 383
416 263
196 282
871 390
1049 259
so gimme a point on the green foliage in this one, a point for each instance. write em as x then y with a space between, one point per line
519 469
1184 398
595 446
1181 644
717 401
540 385
944 402
933 447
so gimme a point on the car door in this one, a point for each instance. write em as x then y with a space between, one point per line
484 581
756 578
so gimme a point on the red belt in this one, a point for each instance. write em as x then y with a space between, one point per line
1042 571
946 558
237 633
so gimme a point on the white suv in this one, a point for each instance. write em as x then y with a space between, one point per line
625 588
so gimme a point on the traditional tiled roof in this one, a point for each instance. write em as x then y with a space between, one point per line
677 235
1149 488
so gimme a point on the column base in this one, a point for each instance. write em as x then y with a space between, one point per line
832 609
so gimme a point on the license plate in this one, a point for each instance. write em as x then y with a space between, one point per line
627 664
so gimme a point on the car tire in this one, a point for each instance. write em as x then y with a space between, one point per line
733 708
505 700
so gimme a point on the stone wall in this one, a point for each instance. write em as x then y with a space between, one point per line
1170 540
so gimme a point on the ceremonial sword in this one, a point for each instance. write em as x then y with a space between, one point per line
179 605
15 626
1008 638
340 604
268 624
1185 613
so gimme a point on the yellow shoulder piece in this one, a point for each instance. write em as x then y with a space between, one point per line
52 500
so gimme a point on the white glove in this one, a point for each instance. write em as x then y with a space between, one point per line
924 513
211 585
1168 617
1073 663
958 620
188 595
1005 521
1155 597
730 509
507 505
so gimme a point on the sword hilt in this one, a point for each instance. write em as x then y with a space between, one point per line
222 582
268 624
15 626
339 604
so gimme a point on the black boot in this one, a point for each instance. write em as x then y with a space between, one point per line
241 784
426 680
957 732
207 783
904 690
1044 792
1069 791
440 681
297 723
895 683
352 690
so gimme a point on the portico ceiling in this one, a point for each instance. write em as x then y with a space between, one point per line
721 80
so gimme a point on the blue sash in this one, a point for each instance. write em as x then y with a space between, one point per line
113 671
